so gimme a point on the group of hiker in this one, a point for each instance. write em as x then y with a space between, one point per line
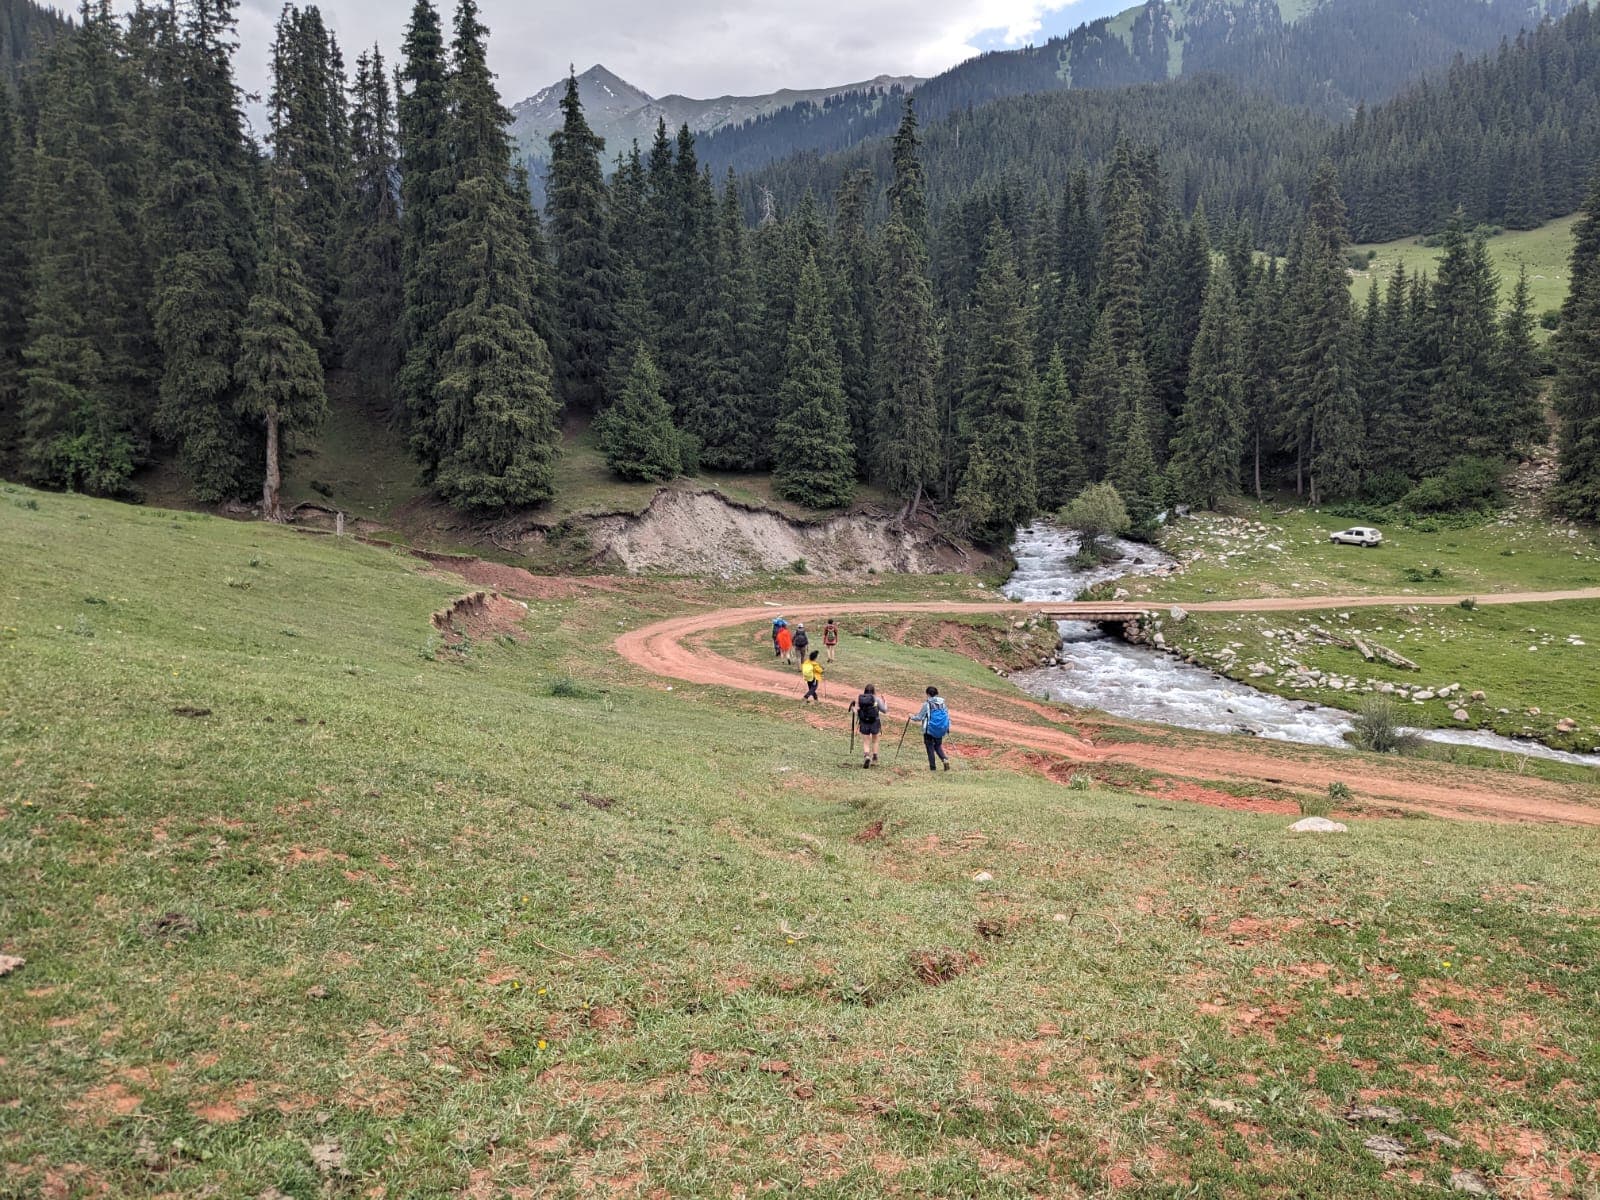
868 709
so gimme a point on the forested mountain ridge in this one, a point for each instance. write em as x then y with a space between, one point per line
1510 137
621 113
26 29
1329 56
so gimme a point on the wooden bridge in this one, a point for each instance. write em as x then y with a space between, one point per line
1093 613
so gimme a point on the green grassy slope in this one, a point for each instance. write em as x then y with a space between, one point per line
1546 252
444 928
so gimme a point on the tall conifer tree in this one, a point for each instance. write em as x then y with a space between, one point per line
1576 350
13 276
999 489
279 373
371 309
815 462
906 358
85 403
491 437
586 273
424 186
1058 447
638 436
1210 435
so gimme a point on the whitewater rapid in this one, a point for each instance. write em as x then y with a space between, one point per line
1105 673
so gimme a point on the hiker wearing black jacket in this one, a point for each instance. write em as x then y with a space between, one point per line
870 712
801 642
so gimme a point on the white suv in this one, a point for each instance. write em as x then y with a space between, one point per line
1357 535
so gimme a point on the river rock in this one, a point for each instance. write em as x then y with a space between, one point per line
1460 714
1318 825
1424 695
1479 697
1179 615
1566 725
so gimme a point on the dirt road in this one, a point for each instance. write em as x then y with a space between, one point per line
1432 787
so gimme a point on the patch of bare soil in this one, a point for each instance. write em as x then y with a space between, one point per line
480 617
512 581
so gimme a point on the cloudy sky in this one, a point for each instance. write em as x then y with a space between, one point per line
704 47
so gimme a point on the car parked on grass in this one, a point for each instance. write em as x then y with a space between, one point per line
1357 535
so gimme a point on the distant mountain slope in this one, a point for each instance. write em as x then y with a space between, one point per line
25 29
1328 55
1510 136
621 113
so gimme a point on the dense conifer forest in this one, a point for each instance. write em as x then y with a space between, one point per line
1046 293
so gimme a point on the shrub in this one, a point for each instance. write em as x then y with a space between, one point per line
1339 792
568 688
1386 487
1467 483
799 567
1469 604
1550 319
1378 728
1097 512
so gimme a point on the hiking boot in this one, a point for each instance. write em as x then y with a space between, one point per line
947 764
865 763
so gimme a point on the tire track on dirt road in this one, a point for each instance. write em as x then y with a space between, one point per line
1440 789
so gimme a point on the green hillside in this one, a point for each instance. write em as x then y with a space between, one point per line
1546 252
313 907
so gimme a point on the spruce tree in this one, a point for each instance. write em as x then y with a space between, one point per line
13 278
1099 400
425 183
1125 252
586 272
310 138
203 232
1133 469
491 437
1516 369
371 305
1465 413
85 408
1210 436
637 433
1322 370
1263 354
1576 350
999 489
726 411
850 275
906 414
815 462
279 373
1057 444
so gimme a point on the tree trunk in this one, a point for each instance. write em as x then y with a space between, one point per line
1300 470
1258 466
271 508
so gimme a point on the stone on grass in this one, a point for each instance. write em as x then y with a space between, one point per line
1435 1138
1318 825
10 963
1470 1183
983 877
1461 714
1386 1150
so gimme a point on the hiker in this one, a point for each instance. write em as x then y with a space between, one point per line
786 644
870 712
778 626
830 637
934 718
802 641
811 672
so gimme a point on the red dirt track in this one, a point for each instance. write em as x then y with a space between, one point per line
1437 788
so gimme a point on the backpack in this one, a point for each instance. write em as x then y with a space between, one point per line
868 706
938 721
801 641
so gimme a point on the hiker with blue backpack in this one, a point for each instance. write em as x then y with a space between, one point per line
934 718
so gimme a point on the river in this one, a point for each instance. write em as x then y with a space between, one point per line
1103 672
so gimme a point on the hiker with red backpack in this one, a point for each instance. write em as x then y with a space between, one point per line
830 637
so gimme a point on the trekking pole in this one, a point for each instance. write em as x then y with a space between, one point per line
852 731
902 744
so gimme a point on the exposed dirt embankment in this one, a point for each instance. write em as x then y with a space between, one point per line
480 617
703 533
